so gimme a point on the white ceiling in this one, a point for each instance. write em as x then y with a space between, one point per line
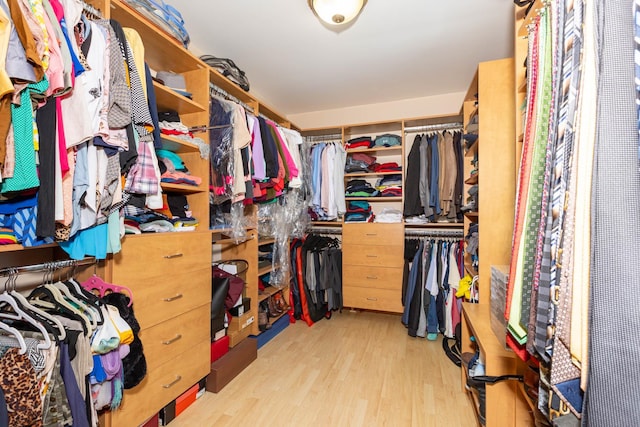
396 49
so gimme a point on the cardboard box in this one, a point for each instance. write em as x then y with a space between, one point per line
231 364
186 399
219 348
239 323
168 413
152 422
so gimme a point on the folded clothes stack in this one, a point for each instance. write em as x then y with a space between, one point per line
174 170
360 188
390 186
359 162
389 215
359 211
387 140
360 142
385 167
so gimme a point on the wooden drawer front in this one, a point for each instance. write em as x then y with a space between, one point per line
144 257
162 385
381 256
372 299
372 277
373 234
162 298
166 340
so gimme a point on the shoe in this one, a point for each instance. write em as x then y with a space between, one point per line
263 319
280 302
273 310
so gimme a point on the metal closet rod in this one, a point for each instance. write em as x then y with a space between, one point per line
323 138
90 10
215 90
324 230
441 126
434 233
53 265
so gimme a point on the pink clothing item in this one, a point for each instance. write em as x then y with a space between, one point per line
67 187
55 72
293 170
62 143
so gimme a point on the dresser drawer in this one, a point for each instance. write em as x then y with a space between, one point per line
164 341
146 256
162 385
373 234
372 277
382 256
160 298
372 298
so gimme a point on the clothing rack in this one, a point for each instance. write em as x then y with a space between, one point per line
324 230
313 139
436 127
217 91
90 10
47 266
457 233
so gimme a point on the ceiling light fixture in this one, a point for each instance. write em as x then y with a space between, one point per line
337 12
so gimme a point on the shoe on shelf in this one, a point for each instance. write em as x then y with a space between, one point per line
273 309
263 319
281 304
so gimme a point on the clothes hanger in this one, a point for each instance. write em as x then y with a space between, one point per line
20 314
55 327
81 305
15 333
95 282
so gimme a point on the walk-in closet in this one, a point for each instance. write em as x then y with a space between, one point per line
296 213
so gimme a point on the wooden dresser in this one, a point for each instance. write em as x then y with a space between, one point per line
170 277
372 263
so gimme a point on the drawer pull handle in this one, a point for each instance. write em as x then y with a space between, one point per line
372 234
178 255
372 256
372 299
171 299
372 277
172 340
172 383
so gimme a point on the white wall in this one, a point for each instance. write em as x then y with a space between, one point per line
449 103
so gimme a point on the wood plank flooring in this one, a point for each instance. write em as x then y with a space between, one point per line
357 369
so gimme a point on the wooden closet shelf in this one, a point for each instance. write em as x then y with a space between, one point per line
177 145
478 318
19 247
469 269
162 51
522 88
182 188
525 396
266 241
327 223
376 150
473 216
267 269
431 225
268 292
168 99
372 173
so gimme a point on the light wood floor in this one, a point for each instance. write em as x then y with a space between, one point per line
357 369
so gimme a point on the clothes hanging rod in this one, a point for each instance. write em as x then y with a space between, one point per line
311 139
217 91
53 265
324 230
90 10
434 233
441 126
